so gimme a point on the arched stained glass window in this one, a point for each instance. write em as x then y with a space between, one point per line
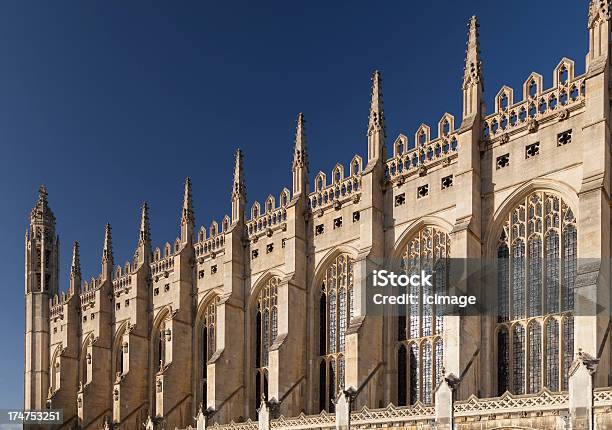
420 331
266 326
537 259
335 312
208 343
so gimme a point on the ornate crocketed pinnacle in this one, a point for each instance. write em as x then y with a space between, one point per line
599 11
187 215
107 252
238 187
41 211
145 229
75 268
300 155
377 113
473 65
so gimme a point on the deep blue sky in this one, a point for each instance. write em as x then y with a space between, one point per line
113 103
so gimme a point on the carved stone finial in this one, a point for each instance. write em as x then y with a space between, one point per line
599 11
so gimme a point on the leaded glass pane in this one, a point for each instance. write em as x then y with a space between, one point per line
427 374
518 279
551 363
552 272
535 276
569 266
503 280
535 354
568 348
503 364
518 359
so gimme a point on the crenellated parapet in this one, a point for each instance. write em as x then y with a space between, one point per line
537 105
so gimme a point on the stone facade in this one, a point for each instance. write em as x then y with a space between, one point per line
260 320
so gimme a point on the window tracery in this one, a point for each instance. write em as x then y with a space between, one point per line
536 271
208 342
335 313
420 346
267 329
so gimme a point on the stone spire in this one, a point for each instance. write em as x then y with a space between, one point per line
238 189
300 158
42 213
376 122
187 218
473 82
107 254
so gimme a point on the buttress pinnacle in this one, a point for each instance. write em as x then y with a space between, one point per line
107 252
145 229
376 120
75 268
300 154
473 64
187 216
238 187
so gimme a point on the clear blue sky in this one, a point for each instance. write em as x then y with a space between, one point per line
113 103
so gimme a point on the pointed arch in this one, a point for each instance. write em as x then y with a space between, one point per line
414 227
500 215
446 125
118 351
205 343
536 239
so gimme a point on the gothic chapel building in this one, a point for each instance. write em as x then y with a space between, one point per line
259 321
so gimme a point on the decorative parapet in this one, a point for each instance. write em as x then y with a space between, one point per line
163 266
88 296
271 219
211 245
508 403
602 397
375 418
122 280
426 153
537 106
340 190
247 425
322 420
